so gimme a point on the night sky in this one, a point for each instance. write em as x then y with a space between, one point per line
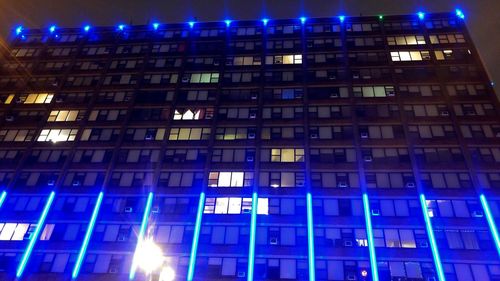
482 16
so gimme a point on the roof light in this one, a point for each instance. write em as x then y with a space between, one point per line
341 18
121 27
380 17
459 13
421 15
228 22
19 29
191 24
156 25
303 20
265 21
86 28
52 29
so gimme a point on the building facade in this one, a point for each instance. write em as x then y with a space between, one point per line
343 148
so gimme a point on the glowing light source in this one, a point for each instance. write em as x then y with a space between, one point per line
140 237
155 25
251 247
421 15
491 222
52 29
341 18
228 22
2 198
380 17
121 27
35 236
369 234
149 256
196 236
432 240
167 274
86 28
303 20
265 21
19 30
459 13
191 24
88 234
310 237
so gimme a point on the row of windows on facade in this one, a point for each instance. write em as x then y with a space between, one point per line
265 179
388 155
422 74
403 40
437 132
335 92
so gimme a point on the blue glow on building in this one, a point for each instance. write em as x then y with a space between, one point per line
19 30
341 18
86 28
459 13
2 197
155 25
196 236
265 21
34 237
191 24
52 29
310 237
369 235
251 247
121 27
421 15
88 234
140 237
303 20
228 22
491 222
432 240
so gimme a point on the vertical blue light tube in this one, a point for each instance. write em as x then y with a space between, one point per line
2 198
369 234
88 234
34 237
432 240
140 237
310 237
196 236
491 222
251 246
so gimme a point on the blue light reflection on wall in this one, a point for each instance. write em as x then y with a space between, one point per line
251 247
369 235
432 240
142 232
2 197
491 222
196 236
310 237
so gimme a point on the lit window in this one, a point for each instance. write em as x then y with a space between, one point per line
56 135
444 54
410 56
235 205
284 59
38 98
8 100
193 114
406 40
287 155
204 78
63 115
230 179
189 134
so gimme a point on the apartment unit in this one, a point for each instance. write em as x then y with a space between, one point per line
342 148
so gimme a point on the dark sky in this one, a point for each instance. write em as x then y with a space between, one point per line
482 16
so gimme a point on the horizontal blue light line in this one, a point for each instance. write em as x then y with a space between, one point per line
196 236
34 237
491 222
140 237
88 234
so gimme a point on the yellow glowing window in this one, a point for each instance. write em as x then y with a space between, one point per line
62 115
38 98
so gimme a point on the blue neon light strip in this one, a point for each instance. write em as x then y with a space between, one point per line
491 222
310 238
2 198
88 234
432 240
196 236
369 235
140 237
251 247
36 234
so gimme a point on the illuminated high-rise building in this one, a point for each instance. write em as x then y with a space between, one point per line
342 148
